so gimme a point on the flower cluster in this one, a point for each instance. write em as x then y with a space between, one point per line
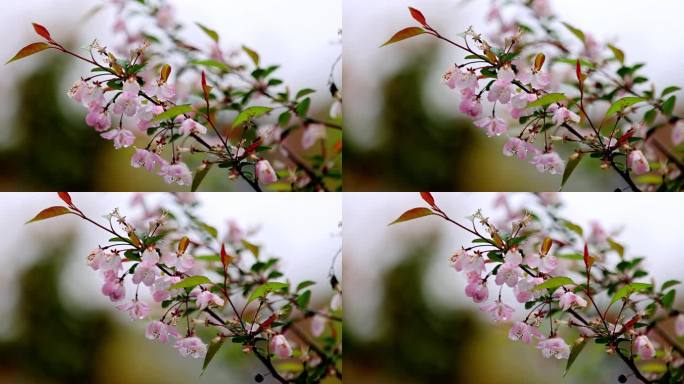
586 96
180 97
192 285
571 283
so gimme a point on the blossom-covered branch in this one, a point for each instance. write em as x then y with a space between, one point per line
578 93
181 96
572 283
208 289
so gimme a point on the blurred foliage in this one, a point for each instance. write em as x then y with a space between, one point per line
52 343
419 150
52 149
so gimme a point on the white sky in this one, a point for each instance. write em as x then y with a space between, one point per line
652 228
300 228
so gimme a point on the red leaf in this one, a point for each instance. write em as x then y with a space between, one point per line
204 80
418 16
225 259
50 212
165 73
266 323
183 245
427 196
580 77
588 260
65 197
411 214
253 147
404 34
29 50
42 31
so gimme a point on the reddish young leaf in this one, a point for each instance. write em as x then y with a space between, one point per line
404 34
427 196
183 245
580 77
165 73
539 62
29 50
65 197
588 260
411 214
546 246
42 31
225 258
49 213
266 323
253 147
418 16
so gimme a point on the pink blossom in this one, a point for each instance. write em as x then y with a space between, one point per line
78 90
191 346
127 102
498 310
493 126
166 17
547 264
541 8
206 298
477 291
269 133
313 133
144 158
502 89
122 138
644 347
569 299
281 347
146 114
513 258
163 91
549 163
508 275
176 173
519 103
472 261
563 115
678 133
554 347
523 331
98 119
265 172
114 289
110 262
235 233
638 163
157 330
160 289
318 324
517 147
94 258
461 79
592 47
524 290
185 263
136 309
191 126
456 260
145 273
679 325
471 106
598 234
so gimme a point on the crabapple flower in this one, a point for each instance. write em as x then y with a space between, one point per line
554 347
160 289
110 262
477 291
679 325
638 163
562 115
281 347
166 16
122 138
517 147
127 102
189 126
318 324
569 299
114 289
523 331
94 258
313 133
519 103
502 89
146 114
498 310
541 8
191 346
98 119
269 133
508 274
471 106
136 309
144 158
644 347
457 78
513 258
176 173
265 172
205 298
146 273
678 133
157 330
524 290
493 126
549 162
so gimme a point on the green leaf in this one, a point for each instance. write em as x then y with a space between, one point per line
214 347
404 34
630 289
575 31
554 283
412 214
573 227
619 54
304 284
577 347
48 213
547 99
250 113
622 104
669 90
573 162
304 92
265 289
212 63
210 32
617 247
303 107
209 229
668 299
670 283
190 282
252 54
29 50
304 299
252 248
653 367
200 174
172 112
668 105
